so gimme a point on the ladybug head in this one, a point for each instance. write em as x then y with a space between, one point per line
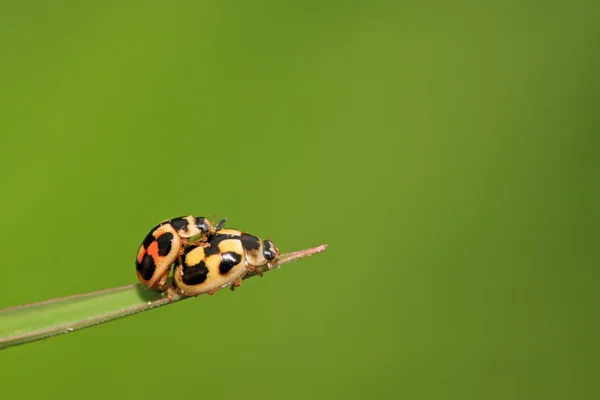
270 251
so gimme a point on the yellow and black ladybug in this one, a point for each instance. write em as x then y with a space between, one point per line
229 256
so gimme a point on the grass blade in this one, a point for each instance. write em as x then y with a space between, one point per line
30 322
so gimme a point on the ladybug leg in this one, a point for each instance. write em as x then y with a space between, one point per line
161 284
252 268
256 270
236 284
213 291
166 288
173 291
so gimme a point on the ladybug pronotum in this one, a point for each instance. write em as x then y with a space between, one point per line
165 243
231 254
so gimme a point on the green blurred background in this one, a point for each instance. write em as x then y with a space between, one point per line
446 153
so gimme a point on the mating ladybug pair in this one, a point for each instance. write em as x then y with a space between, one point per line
207 257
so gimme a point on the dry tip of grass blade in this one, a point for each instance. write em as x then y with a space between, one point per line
35 321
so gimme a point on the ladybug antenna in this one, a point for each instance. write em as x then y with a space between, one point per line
220 224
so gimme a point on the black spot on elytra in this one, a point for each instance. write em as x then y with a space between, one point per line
148 241
228 261
147 267
195 274
180 223
212 250
214 244
164 243
250 242
268 250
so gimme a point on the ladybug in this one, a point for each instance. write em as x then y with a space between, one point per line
229 256
165 243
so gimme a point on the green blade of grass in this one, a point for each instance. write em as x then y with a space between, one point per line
30 322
